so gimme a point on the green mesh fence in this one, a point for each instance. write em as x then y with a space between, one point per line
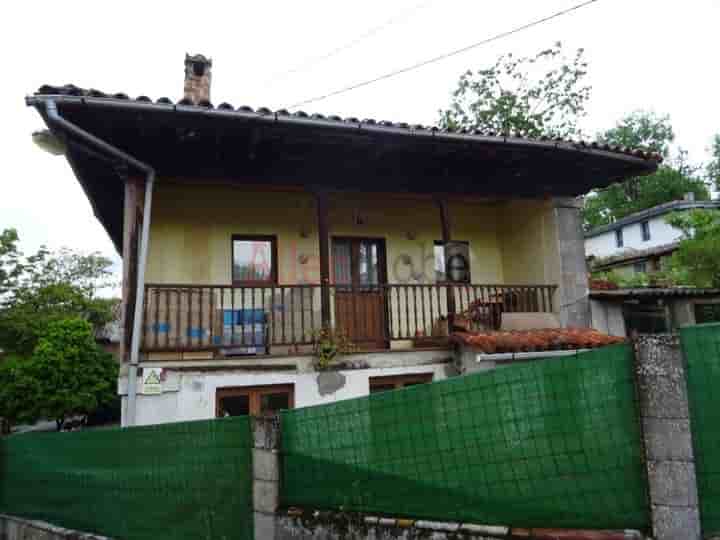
188 480
554 443
701 346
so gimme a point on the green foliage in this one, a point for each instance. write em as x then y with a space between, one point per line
642 129
698 256
671 181
713 168
534 96
67 375
328 345
16 384
47 287
10 266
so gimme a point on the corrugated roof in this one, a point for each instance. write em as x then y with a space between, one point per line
653 292
630 254
648 213
323 120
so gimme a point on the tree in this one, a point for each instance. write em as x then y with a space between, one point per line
713 168
47 287
542 95
10 266
697 258
671 181
68 374
16 384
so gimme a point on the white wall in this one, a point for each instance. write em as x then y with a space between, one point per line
190 395
603 245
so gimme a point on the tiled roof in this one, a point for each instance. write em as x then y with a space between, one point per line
551 339
74 91
653 292
648 213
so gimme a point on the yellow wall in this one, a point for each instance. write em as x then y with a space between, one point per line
529 242
192 225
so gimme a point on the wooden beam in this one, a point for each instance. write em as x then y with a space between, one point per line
446 236
321 199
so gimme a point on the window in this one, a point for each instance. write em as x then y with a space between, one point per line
254 400
707 312
619 238
460 264
645 227
254 260
381 384
640 267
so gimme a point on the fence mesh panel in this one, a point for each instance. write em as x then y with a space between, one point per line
188 480
701 347
554 443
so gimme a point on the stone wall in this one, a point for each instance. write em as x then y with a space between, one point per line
663 403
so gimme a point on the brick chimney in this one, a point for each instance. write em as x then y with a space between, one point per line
197 78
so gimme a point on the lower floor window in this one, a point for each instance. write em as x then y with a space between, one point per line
707 312
394 382
254 400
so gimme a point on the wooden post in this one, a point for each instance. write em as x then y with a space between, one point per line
321 200
131 219
445 223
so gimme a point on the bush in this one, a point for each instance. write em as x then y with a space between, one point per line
67 375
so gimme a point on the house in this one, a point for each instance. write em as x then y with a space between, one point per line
652 310
243 231
639 243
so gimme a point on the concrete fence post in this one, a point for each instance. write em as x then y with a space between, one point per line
266 476
664 412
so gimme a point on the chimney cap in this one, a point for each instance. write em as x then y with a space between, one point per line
199 58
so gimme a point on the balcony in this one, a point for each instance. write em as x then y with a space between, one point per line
281 319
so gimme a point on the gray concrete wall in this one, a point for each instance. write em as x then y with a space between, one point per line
14 528
573 298
665 419
607 317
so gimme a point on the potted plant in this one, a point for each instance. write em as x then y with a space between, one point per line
328 345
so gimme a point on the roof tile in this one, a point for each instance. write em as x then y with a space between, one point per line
72 90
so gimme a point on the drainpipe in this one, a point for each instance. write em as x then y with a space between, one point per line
55 118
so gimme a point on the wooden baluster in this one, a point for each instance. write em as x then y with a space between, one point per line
146 325
156 327
253 291
293 290
211 329
407 312
233 320
302 314
312 313
282 314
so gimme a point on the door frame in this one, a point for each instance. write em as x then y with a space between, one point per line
382 255
382 274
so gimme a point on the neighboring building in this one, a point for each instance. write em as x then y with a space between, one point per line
641 241
109 336
652 310
266 226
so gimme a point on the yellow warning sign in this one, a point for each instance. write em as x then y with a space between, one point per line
152 381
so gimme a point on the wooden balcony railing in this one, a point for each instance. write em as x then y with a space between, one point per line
255 319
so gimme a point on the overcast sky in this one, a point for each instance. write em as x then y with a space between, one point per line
651 54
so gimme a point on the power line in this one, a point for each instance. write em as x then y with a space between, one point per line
398 17
443 56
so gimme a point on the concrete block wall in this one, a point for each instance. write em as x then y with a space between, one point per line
663 402
573 290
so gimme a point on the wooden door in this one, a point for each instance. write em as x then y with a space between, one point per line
359 273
